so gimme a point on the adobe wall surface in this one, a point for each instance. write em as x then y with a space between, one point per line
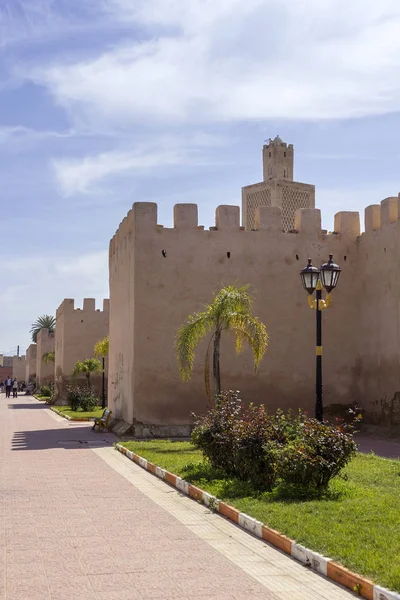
377 295
30 367
5 372
45 343
19 368
77 331
159 276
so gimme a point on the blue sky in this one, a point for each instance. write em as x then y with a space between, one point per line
108 102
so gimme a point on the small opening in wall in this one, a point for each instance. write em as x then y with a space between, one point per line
284 172
164 253
384 250
270 154
297 257
228 254
284 154
344 258
81 320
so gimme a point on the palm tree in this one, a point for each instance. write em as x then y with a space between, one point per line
43 322
86 367
101 349
231 310
49 357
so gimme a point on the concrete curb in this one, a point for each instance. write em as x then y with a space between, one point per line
325 566
79 419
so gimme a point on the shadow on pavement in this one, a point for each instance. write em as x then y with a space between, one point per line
67 438
26 405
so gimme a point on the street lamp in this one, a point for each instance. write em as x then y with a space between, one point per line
313 279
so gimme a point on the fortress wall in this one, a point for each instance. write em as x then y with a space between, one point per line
121 265
77 331
19 368
174 272
45 343
30 367
377 296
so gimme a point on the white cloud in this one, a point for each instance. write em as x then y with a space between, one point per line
36 285
236 60
77 176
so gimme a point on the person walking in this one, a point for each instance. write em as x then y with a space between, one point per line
1 386
15 388
8 386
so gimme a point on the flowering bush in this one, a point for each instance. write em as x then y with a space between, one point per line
79 398
253 446
318 453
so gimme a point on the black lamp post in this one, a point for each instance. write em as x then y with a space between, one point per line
313 279
103 390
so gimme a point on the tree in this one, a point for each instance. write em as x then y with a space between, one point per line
49 357
231 310
101 349
87 367
43 322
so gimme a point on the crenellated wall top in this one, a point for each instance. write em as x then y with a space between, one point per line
67 306
143 218
378 216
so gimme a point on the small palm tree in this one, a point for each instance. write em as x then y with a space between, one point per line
49 357
86 367
231 310
43 322
101 349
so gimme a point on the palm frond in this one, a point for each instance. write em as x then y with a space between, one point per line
102 347
250 329
231 300
87 366
187 338
49 357
43 322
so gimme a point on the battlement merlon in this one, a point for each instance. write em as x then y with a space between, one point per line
66 306
347 224
307 221
377 216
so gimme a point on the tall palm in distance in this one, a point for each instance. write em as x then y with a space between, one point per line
231 310
43 322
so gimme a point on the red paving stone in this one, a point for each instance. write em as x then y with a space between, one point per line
73 528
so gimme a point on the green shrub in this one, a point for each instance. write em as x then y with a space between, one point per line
215 433
253 446
318 453
241 443
45 390
89 401
82 399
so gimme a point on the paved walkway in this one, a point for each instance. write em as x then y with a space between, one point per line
380 446
79 521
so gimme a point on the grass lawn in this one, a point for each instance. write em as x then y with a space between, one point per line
40 397
357 523
66 410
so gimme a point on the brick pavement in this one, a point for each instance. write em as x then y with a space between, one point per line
78 521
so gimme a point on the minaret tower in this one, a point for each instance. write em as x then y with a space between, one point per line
278 187
278 160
